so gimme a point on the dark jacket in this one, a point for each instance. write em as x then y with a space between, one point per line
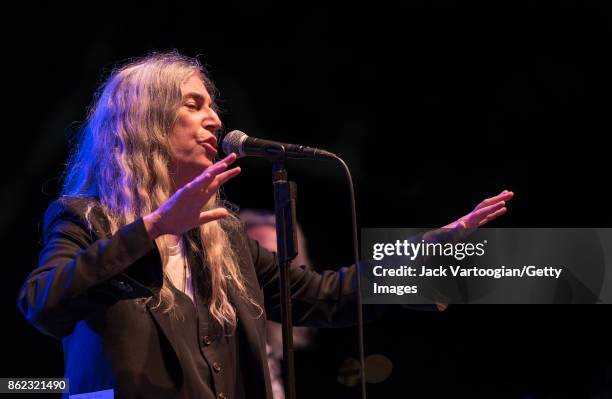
88 291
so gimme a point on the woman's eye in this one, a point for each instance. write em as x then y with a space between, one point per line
191 105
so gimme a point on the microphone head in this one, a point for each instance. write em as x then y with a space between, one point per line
232 142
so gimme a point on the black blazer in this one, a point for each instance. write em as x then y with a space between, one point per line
88 287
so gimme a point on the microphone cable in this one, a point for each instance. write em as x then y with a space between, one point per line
356 259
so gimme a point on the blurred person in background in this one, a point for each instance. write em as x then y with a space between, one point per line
260 225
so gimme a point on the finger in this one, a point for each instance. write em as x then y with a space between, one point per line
213 214
481 213
503 196
207 177
493 216
221 178
228 174
209 174
230 158
222 164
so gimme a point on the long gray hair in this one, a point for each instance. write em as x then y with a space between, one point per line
122 163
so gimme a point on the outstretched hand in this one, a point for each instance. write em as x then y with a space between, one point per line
183 210
486 211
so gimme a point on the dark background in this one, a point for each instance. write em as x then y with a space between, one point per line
434 106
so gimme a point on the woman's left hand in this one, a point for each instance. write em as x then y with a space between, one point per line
486 211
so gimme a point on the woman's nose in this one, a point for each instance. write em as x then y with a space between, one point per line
212 123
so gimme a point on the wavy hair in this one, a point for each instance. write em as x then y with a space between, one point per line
121 163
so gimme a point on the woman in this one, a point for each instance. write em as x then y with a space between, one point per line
146 277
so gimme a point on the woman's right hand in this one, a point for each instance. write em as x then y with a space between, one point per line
183 211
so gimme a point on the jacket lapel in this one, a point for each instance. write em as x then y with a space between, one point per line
163 322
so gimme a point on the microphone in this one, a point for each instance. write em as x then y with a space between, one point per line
243 145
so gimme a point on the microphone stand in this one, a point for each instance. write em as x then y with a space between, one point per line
286 240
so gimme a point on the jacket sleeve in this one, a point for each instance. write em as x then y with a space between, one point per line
78 272
327 299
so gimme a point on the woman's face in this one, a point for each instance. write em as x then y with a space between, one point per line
193 139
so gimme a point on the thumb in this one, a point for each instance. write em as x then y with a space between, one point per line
212 215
